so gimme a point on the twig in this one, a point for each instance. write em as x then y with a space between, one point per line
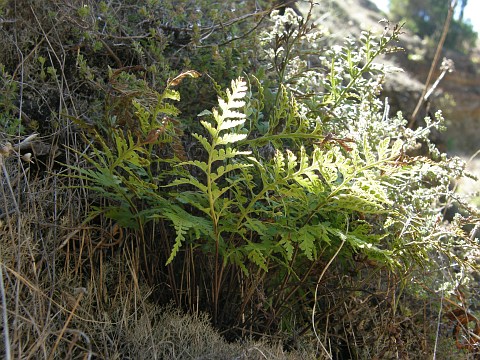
6 335
9 184
446 67
437 335
446 26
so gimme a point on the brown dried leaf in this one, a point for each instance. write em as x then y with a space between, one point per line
178 79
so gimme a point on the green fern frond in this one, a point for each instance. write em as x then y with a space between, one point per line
167 109
286 243
256 255
213 131
129 152
291 163
203 141
170 94
366 245
382 148
279 164
223 168
306 237
198 164
189 181
354 202
396 148
184 222
371 189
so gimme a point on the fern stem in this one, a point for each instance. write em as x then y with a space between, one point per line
257 197
215 219
259 276
279 305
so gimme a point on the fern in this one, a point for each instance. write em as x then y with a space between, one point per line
122 163
286 174
301 167
222 161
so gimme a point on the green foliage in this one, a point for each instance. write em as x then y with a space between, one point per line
152 40
9 113
209 196
301 166
125 161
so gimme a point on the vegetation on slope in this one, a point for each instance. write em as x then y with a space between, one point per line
229 163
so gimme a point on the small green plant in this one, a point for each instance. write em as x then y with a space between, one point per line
9 115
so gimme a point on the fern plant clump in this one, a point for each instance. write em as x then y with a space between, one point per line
300 164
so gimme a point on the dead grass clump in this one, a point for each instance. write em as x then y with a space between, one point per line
38 306
180 336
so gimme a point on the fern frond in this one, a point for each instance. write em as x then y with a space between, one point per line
184 223
255 254
306 239
366 245
204 141
354 202
291 163
167 109
170 94
279 164
228 124
198 164
371 188
239 90
227 113
223 169
213 131
382 148
287 245
396 148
